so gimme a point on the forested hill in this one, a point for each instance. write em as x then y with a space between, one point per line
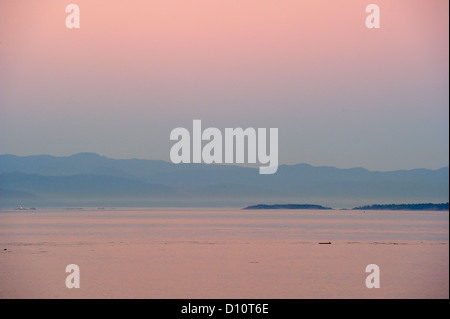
424 206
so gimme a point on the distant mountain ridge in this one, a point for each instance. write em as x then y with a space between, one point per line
90 179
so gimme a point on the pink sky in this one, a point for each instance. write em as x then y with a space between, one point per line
137 69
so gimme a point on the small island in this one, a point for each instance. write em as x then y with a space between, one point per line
287 206
424 206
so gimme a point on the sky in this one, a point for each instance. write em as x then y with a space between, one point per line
340 94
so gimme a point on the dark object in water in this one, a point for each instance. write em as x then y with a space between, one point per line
329 243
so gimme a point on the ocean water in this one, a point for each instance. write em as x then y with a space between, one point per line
227 224
223 253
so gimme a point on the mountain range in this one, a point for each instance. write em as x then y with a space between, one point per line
88 179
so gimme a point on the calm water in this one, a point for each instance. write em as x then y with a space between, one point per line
227 224
223 253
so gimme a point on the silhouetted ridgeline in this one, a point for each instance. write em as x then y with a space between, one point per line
287 206
424 206
88 179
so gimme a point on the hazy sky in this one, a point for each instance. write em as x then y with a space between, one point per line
340 94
